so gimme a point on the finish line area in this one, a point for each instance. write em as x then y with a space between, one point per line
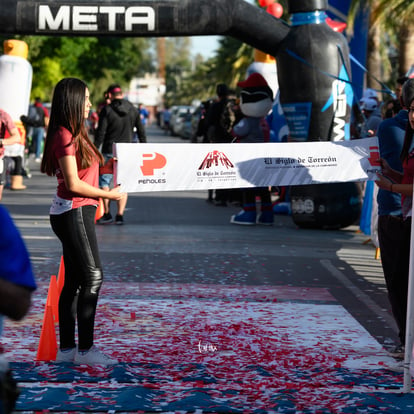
212 348
207 316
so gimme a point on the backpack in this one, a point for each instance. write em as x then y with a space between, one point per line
228 116
40 116
36 117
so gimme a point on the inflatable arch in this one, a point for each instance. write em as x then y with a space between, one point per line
313 62
319 46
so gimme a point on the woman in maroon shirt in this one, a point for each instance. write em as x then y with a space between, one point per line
74 160
397 182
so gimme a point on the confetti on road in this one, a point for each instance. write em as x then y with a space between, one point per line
213 348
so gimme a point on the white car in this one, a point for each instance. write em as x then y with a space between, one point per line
177 116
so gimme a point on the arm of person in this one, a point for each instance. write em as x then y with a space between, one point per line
387 184
389 172
16 275
14 137
76 185
404 189
15 300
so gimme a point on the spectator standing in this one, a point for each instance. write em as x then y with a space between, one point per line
116 124
166 117
219 123
399 182
7 126
398 87
71 156
391 108
40 116
390 138
372 115
144 114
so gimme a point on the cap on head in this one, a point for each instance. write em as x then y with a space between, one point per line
369 104
370 94
114 89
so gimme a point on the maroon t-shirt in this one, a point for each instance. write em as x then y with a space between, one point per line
408 178
63 146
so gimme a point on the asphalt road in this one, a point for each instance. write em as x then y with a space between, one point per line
177 237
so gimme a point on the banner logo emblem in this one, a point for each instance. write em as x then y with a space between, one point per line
374 156
215 159
151 162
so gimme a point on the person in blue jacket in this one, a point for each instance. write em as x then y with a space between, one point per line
17 283
391 134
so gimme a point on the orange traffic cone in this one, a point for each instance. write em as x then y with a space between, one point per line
53 298
61 276
47 349
100 210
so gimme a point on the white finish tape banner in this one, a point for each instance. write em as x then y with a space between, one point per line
177 167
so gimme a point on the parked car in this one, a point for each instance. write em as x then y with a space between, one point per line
177 114
186 131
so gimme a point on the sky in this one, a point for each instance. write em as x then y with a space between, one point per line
204 45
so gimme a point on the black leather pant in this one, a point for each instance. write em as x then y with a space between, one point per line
394 242
83 275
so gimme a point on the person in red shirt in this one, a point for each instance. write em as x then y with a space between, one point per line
402 182
70 155
6 125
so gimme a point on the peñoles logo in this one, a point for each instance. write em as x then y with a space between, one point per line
374 156
151 162
214 159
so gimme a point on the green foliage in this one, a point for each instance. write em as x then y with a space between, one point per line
229 65
233 59
46 74
98 61
392 18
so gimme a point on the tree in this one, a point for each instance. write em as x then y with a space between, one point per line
97 60
388 20
233 59
177 70
400 14
229 65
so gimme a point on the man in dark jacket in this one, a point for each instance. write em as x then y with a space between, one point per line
218 127
117 122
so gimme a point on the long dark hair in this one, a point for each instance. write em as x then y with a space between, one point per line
68 111
408 138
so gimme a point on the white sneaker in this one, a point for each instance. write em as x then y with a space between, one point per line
94 357
66 356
